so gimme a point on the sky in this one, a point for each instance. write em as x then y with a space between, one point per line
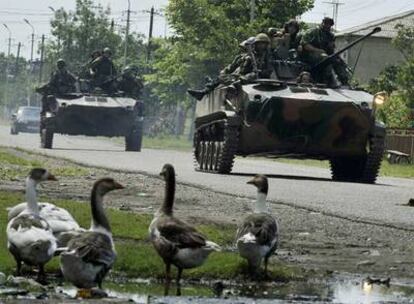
12 12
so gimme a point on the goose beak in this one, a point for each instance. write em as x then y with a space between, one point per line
118 186
51 177
251 182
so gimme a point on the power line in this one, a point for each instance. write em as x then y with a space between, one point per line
335 8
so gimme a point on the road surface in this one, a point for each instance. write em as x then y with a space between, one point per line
300 186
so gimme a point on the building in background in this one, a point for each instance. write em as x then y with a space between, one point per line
376 52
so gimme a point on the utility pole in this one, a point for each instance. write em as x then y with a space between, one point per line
33 36
42 52
150 34
127 33
335 9
17 58
252 10
6 89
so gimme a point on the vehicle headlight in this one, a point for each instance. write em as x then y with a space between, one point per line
380 98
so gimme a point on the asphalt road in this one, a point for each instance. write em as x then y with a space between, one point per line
296 185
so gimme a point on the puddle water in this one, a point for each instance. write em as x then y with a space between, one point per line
339 290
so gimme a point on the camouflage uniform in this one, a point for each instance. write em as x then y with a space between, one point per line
62 82
324 40
263 60
104 71
130 85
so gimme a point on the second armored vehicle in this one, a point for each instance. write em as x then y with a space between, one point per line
285 118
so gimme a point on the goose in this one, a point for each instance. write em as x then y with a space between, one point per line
59 219
175 241
29 237
258 234
89 255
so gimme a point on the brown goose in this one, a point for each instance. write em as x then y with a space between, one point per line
258 235
29 237
90 255
177 242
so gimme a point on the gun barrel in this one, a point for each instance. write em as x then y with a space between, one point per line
339 52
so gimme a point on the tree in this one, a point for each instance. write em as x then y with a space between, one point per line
88 28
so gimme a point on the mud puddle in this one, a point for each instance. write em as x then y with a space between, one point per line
343 289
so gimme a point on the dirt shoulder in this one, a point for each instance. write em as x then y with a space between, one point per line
313 241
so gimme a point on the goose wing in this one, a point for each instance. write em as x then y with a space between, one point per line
93 247
180 233
263 226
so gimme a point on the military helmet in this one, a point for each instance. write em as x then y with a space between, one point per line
107 50
60 62
247 42
272 31
328 20
291 22
129 69
262 37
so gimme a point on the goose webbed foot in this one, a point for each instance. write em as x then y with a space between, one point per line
179 273
167 279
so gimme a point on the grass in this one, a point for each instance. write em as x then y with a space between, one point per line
170 142
136 256
387 169
15 167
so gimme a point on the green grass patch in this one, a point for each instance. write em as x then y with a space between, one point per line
180 143
136 256
387 169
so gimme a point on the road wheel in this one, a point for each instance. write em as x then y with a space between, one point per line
363 169
215 147
46 138
133 141
14 131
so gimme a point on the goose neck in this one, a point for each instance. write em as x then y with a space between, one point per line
260 205
99 219
31 196
167 206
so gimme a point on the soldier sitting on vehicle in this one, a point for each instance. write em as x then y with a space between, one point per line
103 71
129 83
257 63
286 40
317 45
61 81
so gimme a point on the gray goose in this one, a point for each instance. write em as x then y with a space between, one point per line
29 237
258 235
177 242
89 255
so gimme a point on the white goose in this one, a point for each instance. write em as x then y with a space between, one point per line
59 219
258 235
30 238
90 255
177 242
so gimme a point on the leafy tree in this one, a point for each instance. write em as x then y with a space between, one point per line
88 28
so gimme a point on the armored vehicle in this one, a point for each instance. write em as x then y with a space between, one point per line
282 117
92 115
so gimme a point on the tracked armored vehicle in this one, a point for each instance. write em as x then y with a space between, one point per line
283 118
93 115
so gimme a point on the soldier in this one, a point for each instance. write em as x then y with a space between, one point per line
129 83
257 62
103 71
318 44
287 39
61 81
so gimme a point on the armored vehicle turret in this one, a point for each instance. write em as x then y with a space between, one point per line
291 118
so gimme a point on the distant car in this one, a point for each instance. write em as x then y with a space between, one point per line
27 119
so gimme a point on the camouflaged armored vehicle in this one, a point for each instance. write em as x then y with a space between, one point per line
93 115
283 118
